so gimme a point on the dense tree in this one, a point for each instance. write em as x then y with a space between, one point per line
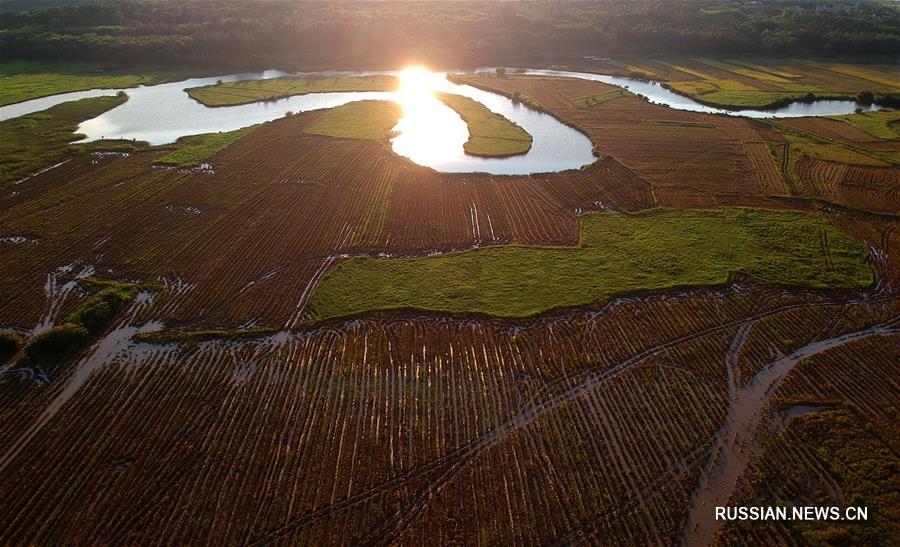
457 33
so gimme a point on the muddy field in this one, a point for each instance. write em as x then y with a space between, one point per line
698 160
391 428
620 422
251 235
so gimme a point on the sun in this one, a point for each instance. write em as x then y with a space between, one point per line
416 81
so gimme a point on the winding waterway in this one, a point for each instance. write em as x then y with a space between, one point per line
657 94
429 133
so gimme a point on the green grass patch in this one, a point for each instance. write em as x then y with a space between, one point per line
882 124
111 145
490 134
804 143
599 98
193 150
98 310
32 142
888 79
617 254
251 91
373 120
745 99
523 97
26 80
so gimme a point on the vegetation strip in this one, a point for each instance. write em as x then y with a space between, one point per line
193 150
490 134
372 120
26 80
30 143
617 254
88 319
883 124
763 84
251 91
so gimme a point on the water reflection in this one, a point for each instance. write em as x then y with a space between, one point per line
431 134
428 133
655 93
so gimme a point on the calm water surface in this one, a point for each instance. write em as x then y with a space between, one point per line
657 94
429 133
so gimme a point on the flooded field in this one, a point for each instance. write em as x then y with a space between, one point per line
218 405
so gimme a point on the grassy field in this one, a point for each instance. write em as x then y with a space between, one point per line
371 120
26 80
35 141
747 99
193 150
523 97
756 83
883 124
617 254
806 143
251 91
492 422
598 98
490 134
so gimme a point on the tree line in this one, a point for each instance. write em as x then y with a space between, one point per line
461 34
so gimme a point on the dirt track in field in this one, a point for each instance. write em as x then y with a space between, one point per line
586 424
595 424
250 236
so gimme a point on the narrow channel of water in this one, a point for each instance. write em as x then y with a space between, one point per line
430 133
657 94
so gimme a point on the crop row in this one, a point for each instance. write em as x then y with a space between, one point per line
874 189
831 442
690 159
586 425
251 236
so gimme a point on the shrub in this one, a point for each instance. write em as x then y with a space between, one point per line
9 342
95 312
865 97
889 100
56 340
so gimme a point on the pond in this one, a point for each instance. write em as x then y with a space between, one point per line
429 132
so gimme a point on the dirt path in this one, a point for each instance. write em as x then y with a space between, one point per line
735 446
548 397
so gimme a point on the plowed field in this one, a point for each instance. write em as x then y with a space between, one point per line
218 408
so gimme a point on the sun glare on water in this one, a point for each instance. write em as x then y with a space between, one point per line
427 129
416 86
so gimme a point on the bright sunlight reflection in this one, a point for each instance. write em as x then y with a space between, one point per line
416 82
428 129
